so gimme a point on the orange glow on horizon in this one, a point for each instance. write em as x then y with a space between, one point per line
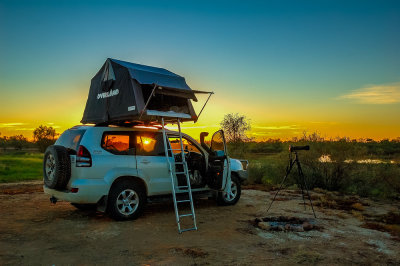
268 121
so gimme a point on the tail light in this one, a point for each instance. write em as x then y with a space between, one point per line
83 157
74 190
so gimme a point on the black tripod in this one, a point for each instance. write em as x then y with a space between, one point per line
302 181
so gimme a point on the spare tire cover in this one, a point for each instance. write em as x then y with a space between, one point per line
56 167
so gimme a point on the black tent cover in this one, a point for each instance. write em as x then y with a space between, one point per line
120 91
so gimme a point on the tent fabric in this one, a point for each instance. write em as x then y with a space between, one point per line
119 92
154 75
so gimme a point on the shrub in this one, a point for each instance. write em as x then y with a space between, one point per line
44 136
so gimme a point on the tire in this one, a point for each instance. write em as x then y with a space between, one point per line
84 207
236 190
56 167
126 200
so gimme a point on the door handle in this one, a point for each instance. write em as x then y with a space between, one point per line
145 162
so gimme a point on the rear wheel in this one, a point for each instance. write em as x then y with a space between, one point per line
126 200
233 197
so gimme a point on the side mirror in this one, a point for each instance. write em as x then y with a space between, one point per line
202 143
202 136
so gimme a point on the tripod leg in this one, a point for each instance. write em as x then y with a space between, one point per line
302 194
281 185
305 185
300 180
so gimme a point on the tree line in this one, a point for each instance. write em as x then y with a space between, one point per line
43 137
236 126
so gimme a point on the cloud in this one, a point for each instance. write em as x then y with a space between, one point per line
191 127
376 94
3 125
276 127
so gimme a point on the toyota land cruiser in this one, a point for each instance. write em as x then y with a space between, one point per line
118 168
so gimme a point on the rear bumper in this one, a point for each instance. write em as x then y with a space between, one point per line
89 191
243 174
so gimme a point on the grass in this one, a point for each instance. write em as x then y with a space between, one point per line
20 166
269 160
342 174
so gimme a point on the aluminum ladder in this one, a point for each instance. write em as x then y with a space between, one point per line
184 190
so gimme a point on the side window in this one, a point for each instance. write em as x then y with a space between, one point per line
71 138
116 143
149 144
187 145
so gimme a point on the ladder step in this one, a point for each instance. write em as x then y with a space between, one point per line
188 229
185 215
179 191
187 200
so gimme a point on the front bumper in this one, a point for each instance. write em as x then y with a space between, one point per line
243 174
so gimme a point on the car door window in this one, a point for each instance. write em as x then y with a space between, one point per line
149 144
218 142
187 145
117 143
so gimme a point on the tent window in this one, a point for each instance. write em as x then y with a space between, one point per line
165 103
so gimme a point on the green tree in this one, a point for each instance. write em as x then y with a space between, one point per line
44 136
3 142
235 127
17 141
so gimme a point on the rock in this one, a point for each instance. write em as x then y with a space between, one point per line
282 218
264 226
287 227
307 226
257 220
297 228
281 228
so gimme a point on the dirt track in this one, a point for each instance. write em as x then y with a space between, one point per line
33 231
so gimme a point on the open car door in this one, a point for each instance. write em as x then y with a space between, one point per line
219 174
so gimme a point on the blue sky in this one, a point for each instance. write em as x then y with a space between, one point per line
284 64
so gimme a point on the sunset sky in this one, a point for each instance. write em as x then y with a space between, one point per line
289 66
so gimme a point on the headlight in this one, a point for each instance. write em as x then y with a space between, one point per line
245 164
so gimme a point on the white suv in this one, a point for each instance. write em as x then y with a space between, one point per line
118 168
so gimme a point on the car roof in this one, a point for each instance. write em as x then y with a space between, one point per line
116 128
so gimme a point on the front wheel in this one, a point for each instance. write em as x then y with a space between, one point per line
233 197
126 200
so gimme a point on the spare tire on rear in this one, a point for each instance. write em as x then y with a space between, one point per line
56 167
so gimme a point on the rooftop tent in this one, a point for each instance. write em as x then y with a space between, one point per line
128 92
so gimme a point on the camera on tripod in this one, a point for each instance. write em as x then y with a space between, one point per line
302 180
298 148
